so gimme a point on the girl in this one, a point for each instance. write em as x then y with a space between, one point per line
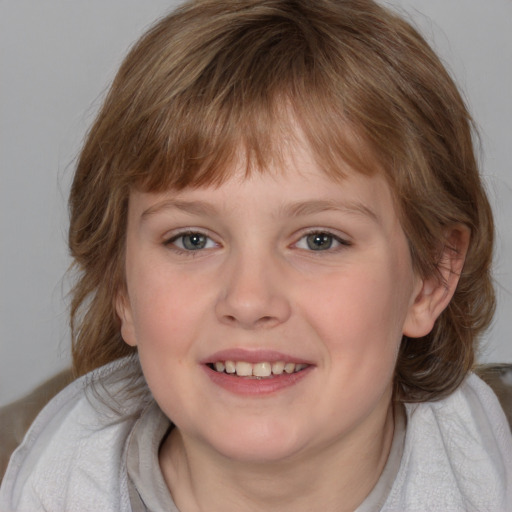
284 250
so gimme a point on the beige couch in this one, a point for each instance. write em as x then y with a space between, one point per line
15 418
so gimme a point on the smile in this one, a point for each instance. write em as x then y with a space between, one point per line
260 370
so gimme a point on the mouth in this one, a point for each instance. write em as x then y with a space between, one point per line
259 370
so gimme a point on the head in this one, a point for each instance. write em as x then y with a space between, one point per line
219 83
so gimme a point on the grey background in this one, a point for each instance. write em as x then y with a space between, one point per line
57 58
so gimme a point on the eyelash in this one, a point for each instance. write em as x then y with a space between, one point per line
171 242
334 239
342 243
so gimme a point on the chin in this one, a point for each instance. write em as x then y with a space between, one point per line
258 442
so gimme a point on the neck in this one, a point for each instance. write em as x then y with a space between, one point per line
336 477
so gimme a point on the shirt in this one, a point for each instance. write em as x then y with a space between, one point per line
95 447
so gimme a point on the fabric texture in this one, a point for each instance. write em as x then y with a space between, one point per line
95 443
16 417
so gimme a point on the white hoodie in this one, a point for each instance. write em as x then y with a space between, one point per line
457 452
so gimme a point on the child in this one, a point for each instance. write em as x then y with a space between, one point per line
284 250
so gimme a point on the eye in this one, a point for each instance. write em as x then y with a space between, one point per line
191 241
320 241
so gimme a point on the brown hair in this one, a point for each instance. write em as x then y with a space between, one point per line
218 77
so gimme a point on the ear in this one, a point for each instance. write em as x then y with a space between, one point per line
435 292
124 312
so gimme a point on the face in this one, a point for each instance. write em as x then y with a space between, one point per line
268 312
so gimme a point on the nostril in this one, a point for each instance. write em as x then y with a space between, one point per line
266 321
262 321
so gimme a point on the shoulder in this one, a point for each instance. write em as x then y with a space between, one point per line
457 454
71 455
499 378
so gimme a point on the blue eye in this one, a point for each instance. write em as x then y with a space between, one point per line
192 241
320 241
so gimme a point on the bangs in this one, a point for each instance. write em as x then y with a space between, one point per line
210 145
242 94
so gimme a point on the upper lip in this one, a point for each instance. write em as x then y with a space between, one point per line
253 356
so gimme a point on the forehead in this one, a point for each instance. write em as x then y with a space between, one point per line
280 142
294 185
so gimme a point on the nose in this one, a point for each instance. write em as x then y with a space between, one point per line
253 294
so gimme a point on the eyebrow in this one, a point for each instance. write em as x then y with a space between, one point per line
319 206
296 209
192 207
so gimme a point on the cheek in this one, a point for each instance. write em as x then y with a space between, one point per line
360 327
360 303
166 328
361 316
164 306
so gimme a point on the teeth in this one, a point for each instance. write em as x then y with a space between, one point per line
230 367
289 367
278 368
219 367
243 369
260 370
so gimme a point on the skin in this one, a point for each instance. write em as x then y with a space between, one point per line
321 443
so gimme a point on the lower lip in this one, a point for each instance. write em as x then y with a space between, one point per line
248 386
